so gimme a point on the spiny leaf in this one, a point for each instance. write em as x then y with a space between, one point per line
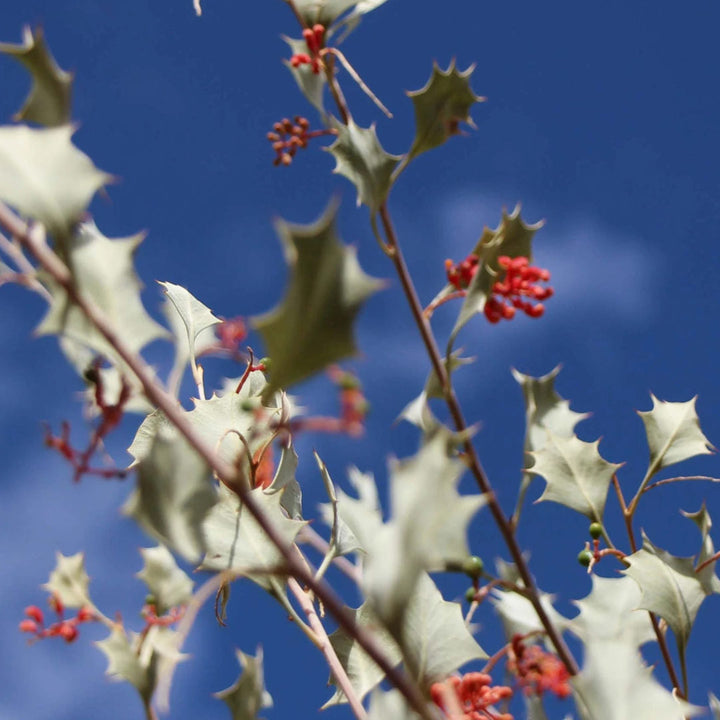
512 237
351 21
434 638
235 540
45 177
615 684
311 84
247 695
426 531
68 581
433 389
670 587
519 616
702 519
363 672
390 704
673 433
325 12
123 662
104 274
575 473
544 410
313 327
418 413
286 484
362 160
48 102
174 493
441 106
608 613
167 583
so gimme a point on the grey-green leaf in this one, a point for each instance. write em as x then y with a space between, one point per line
575 473
45 177
69 581
313 327
247 696
441 106
174 494
48 102
363 161
673 433
168 584
311 84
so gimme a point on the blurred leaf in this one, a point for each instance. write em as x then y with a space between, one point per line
518 615
247 695
326 12
418 413
68 581
104 274
362 671
351 21
174 494
235 540
390 705
512 237
313 327
311 84
45 177
673 433
433 389
441 106
714 706
575 473
48 102
615 684
544 410
670 587
362 160
167 583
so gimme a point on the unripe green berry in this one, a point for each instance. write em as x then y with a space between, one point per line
266 362
470 594
473 566
595 530
248 405
585 558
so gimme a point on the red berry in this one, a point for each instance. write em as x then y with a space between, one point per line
28 626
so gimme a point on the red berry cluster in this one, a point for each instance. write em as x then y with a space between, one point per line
67 629
315 40
231 333
149 613
461 274
518 290
537 670
475 697
288 137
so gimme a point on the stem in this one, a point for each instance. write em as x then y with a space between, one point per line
225 472
323 642
472 458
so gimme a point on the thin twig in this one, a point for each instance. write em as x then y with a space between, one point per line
687 478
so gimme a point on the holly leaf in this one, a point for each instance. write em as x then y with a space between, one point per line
313 327
512 237
434 638
312 85
247 696
69 582
670 587
426 531
615 684
575 473
45 177
362 671
141 659
417 412
707 549
235 541
362 160
286 483
609 613
433 388
390 704
673 433
518 615
352 20
103 273
168 584
441 106
174 494
48 102
544 410
324 12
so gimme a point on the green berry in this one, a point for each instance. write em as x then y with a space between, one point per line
595 530
266 362
585 558
248 405
473 566
470 594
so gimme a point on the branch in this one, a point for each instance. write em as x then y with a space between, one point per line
33 240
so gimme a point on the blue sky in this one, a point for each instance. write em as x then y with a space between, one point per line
600 119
